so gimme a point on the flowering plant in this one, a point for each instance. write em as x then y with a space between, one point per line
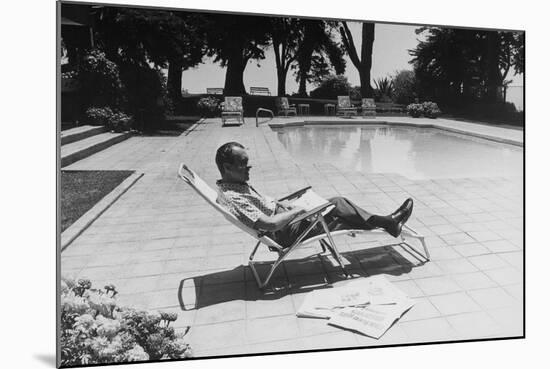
430 109
94 330
209 106
415 110
114 120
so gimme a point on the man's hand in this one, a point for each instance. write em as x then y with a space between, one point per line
284 205
279 220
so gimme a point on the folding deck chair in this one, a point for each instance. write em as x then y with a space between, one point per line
345 107
284 107
368 107
232 108
315 215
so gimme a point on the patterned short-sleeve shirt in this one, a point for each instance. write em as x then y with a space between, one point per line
244 202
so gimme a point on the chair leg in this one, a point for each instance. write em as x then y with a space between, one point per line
333 248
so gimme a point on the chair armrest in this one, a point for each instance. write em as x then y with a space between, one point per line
307 214
295 194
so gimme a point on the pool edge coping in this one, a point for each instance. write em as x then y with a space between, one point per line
406 124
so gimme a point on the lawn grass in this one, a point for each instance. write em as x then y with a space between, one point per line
82 189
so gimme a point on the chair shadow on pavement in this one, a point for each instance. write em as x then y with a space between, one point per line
295 276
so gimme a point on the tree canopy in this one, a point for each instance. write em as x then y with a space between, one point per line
233 40
466 63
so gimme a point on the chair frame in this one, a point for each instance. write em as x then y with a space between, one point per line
229 114
343 111
290 108
325 239
368 107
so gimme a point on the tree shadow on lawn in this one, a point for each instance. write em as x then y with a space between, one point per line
295 276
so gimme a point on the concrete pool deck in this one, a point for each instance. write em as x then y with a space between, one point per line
165 248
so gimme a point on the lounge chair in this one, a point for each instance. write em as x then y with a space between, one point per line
283 107
232 108
344 106
326 240
368 107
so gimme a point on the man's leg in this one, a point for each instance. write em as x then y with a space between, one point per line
347 215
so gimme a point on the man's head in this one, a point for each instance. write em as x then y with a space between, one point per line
232 162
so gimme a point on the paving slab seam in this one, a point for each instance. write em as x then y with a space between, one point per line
86 220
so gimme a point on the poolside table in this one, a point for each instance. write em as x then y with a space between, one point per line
329 108
303 109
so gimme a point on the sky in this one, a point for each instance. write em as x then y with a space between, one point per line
391 43
390 54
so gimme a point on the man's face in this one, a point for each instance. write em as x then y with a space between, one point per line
239 170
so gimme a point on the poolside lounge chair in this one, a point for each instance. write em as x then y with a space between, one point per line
284 108
344 106
232 108
326 240
368 107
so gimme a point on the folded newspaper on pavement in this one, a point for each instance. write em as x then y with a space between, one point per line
368 305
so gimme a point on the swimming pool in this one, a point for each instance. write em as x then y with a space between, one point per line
416 153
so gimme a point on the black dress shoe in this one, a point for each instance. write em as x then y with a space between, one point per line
400 217
406 204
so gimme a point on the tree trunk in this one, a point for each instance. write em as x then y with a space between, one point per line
493 71
281 82
174 81
364 78
234 84
366 59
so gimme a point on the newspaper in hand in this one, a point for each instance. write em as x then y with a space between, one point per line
310 200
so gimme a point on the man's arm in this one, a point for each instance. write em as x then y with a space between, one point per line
277 221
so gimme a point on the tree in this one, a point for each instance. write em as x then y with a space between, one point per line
404 87
364 63
284 37
234 40
466 64
173 40
316 45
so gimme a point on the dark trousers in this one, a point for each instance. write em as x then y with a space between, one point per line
344 215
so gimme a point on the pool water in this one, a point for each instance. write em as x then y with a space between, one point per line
416 153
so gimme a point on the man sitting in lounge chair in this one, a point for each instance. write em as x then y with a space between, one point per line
263 213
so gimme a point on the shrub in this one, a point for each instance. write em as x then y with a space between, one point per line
114 120
94 330
146 94
99 79
209 107
415 110
430 109
383 89
332 87
404 87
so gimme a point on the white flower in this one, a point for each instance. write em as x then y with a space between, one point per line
107 327
136 354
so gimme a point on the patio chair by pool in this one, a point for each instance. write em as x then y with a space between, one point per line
284 108
326 240
232 108
344 106
368 107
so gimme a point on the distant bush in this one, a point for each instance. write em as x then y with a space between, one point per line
209 107
94 330
383 90
114 120
415 110
331 87
428 108
100 81
404 87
